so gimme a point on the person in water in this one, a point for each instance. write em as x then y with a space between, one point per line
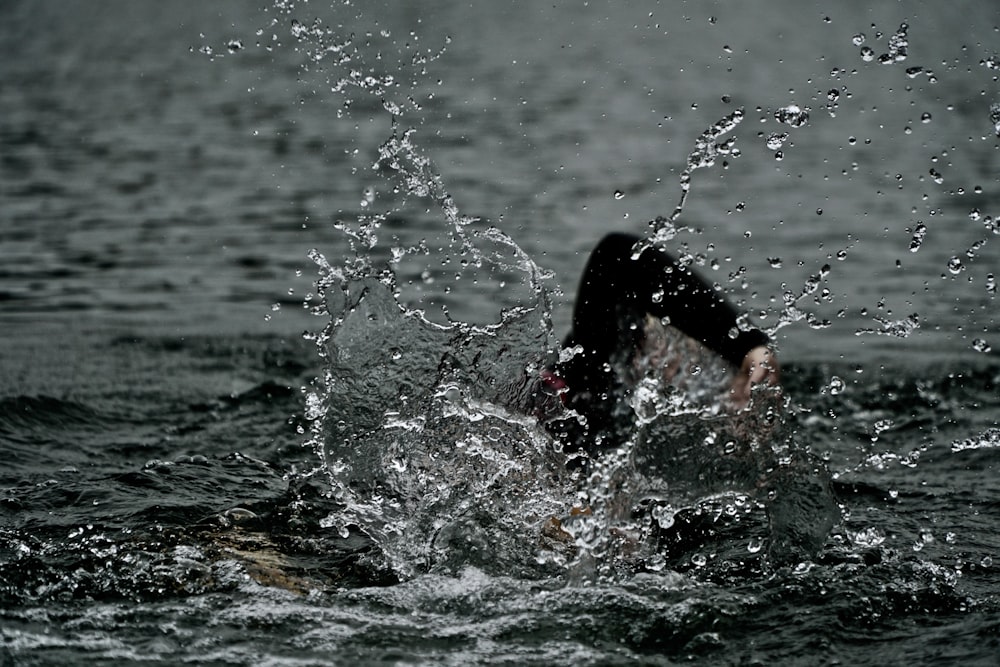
617 295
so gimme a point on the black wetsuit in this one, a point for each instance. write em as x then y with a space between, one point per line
616 294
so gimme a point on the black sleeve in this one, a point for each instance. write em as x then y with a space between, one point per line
617 292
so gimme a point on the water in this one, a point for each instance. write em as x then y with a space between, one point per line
189 479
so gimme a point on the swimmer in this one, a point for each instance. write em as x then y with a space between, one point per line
616 296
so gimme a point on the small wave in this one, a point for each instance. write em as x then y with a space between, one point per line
20 412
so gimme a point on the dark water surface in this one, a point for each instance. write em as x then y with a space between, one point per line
189 479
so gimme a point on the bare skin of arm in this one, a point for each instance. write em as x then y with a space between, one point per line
760 366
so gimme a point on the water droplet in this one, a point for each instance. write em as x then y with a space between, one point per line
980 345
925 117
919 232
936 176
775 262
792 115
656 562
755 545
776 140
868 537
836 385
867 54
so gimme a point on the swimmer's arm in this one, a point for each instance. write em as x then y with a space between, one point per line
760 366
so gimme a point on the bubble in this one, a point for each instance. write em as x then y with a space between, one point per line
995 117
775 262
867 54
955 266
619 194
858 39
234 45
936 176
925 117
755 545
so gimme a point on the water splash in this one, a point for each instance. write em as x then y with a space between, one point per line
706 150
988 439
901 328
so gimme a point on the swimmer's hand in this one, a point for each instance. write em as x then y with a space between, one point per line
760 366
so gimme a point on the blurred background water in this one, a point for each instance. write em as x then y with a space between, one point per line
165 169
